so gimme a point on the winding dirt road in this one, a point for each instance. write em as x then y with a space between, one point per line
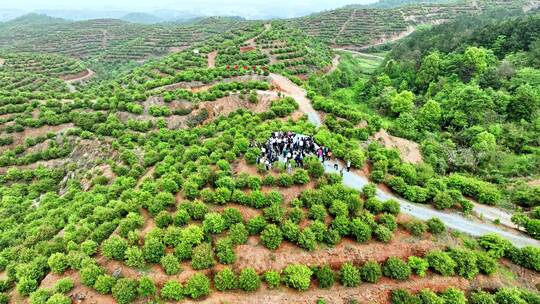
453 220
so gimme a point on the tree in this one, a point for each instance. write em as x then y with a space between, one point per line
417 227
125 291
297 276
89 247
203 257
396 268
249 280
307 239
349 275
402 102
271 237
370 272
198 286
172 291
170 264
402 296
360 230
525 103
225 280
430 69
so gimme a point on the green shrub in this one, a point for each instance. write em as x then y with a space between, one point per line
64 285
396 268
104 284
313 167
374 205
291 231
249 280
198 286
441 263
307 239
301 177
285 180
213 223
147 288
39 296
58 262
89 274
453 295
231 216
225 280
274 213
238 234
125 291
172 291
297 276
466 263
114 248
369 190
388 221
163 219
272 278
485 263
256 224
391 206
383 234
58 299
435 226
349 275
418 265
225 251
271 237
153 249
89 247
429 297
203 257
360 230
317 212
325 276
401 296
181 218
134 257
416 227
481 297
170 264
370 272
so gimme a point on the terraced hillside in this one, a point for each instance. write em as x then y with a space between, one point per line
355 27
105 39
153 185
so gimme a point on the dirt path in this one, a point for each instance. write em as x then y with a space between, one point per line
87 75
385 40
344 26
288 87
335 64
2 61
104 39
212 59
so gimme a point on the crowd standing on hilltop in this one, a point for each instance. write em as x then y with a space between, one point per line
287 146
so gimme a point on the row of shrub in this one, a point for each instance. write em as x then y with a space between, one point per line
456 296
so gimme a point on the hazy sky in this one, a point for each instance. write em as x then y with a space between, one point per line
281 7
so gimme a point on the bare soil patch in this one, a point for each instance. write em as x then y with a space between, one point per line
212 59
409 150
2 61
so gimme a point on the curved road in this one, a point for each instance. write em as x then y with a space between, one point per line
454 221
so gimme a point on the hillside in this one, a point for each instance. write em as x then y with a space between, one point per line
356 27
233 161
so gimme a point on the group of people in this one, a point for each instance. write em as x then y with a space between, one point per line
287 146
